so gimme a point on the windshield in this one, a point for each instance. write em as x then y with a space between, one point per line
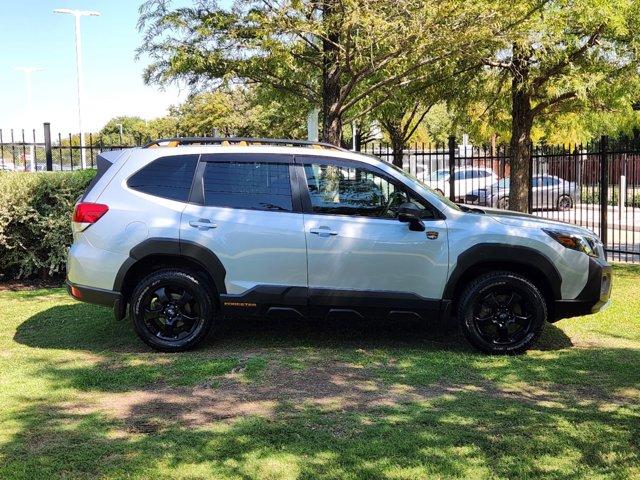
443 199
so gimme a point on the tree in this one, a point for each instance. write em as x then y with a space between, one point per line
567 56
134 131
163 127
227 112
329 53
401 117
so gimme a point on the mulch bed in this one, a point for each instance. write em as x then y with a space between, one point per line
25 285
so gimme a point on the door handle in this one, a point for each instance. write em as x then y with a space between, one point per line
323 231
203 224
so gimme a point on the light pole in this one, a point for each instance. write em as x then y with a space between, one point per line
77 14
119 125
28 71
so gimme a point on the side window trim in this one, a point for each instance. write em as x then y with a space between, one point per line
307 208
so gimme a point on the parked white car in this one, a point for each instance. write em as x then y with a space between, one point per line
465 180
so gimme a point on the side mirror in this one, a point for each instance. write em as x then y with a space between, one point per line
410 213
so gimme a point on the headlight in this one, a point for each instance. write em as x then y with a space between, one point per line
574 242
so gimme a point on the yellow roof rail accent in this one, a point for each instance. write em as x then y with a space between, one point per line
239 141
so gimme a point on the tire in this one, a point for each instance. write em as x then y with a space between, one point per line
503 203
502 313
172 310
565 202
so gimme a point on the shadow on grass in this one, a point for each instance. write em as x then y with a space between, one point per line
569 417
463 435
85 327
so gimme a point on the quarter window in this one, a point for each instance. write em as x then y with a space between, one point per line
166 177
248 185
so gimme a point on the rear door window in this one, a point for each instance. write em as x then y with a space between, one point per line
248 185
166 177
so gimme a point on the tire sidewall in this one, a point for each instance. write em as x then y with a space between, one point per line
196 287
481 287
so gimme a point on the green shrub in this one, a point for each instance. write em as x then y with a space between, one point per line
591 194
35 215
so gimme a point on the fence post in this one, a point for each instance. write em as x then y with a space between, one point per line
47 146
604 188
530 182
452 164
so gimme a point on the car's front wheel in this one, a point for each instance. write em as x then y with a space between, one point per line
172 310
502 313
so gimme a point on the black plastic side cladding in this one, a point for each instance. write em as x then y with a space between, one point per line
164 246
485 253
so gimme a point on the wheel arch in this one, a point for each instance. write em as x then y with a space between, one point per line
157 253
485 258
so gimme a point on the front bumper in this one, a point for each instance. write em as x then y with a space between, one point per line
594 296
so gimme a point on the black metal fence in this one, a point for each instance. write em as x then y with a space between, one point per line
28 151
595 185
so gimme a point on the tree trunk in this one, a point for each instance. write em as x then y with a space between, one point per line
397 144
331 107
396 135
520 144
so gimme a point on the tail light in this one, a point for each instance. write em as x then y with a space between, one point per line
89 213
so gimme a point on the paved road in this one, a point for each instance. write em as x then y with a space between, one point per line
588 216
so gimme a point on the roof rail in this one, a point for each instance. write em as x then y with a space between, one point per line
240 141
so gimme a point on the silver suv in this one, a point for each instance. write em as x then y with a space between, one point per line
182 232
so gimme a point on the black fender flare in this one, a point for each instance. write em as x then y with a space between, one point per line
496 253
208 260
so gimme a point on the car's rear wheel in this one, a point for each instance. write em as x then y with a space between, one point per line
172 310
502 313
565 203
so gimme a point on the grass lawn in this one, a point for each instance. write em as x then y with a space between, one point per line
80 397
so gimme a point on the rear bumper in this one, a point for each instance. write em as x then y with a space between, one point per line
97 296
594 296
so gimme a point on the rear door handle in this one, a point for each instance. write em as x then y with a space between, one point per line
203 224
323 231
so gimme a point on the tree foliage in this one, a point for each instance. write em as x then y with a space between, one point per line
567 56
334 54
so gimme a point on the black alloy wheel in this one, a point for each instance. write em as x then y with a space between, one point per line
172 310
502 313
502 316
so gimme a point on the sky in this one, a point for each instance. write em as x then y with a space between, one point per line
31 35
